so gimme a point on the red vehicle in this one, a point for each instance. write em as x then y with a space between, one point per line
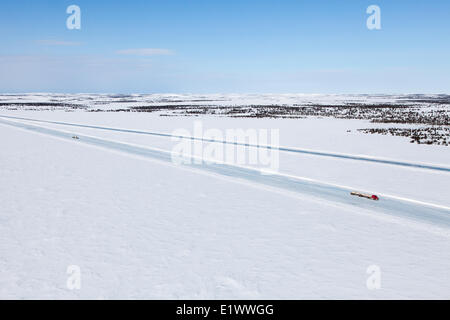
365 195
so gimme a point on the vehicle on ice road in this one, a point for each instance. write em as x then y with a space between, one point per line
365 195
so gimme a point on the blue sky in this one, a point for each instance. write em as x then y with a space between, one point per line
246 46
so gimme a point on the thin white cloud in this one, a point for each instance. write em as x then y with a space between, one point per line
57 43
146 52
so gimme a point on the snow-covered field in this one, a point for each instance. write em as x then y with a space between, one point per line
115 101
139 226
120 101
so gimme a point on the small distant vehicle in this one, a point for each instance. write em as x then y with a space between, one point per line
365 195
76 137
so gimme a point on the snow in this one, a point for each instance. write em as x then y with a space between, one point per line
117 101
144 228
317 134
